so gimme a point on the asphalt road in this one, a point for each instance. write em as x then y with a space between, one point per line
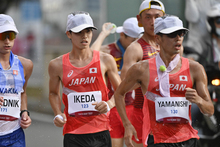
42 132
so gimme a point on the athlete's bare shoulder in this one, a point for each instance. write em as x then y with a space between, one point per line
107 61
135 46
194 65
142 65
25 62
140 68
108 66
134 51
196 69
55 66
106 58
140 73
27 65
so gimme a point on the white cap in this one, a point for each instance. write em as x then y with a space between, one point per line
214 11
130 27
7 24
146 4
78 21
168 24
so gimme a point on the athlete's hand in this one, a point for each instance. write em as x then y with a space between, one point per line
1 101
60 121
105 30
129 132
25 120
102 106
192 95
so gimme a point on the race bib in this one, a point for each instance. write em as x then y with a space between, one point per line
11 108
80 103
172 110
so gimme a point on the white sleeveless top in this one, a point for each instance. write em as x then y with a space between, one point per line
11 84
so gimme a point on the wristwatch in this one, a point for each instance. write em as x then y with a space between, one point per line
24 111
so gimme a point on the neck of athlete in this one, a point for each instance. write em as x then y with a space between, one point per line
81 54
151 40
4 60
167 58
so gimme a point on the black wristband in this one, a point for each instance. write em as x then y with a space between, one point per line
24 111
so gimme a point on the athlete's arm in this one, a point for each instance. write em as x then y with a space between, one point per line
109 70
112 74
103 34
132 55
55 75
200 95
28 68
133 77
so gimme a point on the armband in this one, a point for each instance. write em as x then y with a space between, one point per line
59 116
24 111
108 109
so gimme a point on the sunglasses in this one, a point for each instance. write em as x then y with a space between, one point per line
217 20
10 35
180 33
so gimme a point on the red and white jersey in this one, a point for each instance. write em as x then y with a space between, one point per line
87 79
168 132
148 53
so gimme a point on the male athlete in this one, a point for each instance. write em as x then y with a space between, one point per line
83 74
167 83
142 49
129 32
14 74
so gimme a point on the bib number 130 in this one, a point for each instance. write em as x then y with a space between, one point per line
174 111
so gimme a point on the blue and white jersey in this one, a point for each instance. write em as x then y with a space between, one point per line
11 87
